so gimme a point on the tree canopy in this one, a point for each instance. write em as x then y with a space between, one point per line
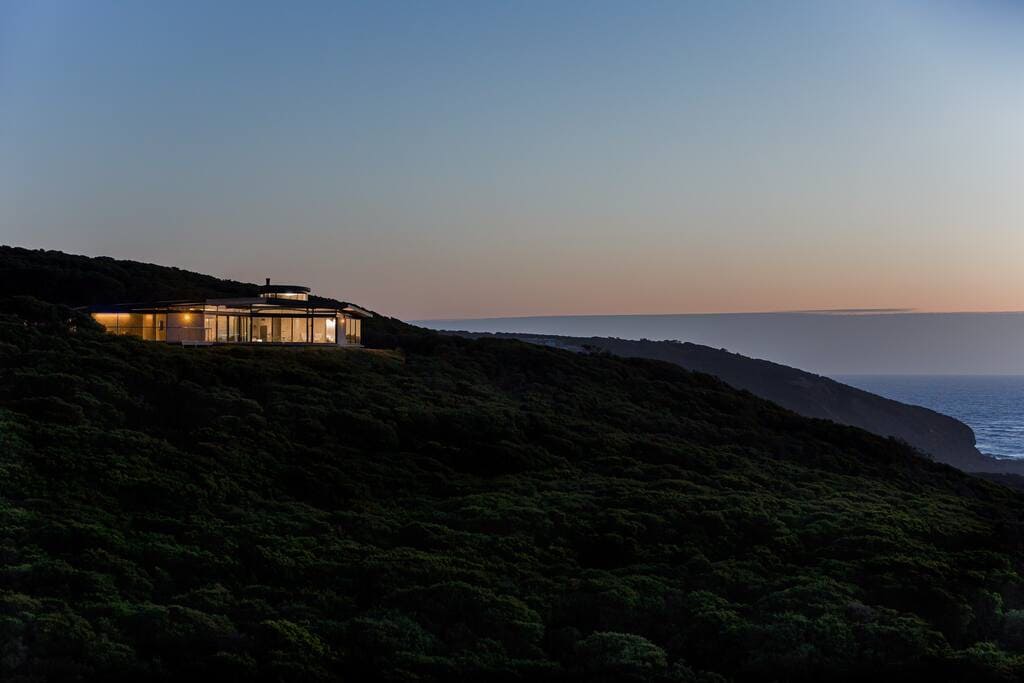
456 509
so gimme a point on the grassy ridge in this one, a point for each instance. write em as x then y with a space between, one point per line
74 280
469 510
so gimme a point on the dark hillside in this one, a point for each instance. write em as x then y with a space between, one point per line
74 280
459 510
939 436
469 510
81 280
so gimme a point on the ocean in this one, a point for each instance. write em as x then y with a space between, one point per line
993 406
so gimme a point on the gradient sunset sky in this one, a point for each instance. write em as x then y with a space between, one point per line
435 159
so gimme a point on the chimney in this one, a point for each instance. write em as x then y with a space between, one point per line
268 281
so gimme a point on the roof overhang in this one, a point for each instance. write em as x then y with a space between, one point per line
236 301
317 305
357 312
139 306
284 289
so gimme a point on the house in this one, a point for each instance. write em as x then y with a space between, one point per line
281 314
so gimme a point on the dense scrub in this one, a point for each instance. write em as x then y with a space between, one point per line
80 280
468 510
74 280
938 436
458 510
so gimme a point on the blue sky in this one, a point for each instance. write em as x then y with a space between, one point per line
480 158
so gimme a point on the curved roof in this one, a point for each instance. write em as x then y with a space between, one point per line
284 289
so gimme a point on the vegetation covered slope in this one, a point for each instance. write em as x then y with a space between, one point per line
468 510
80 280
75 280
944 438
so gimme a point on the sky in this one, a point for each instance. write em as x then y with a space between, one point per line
832 344
454 160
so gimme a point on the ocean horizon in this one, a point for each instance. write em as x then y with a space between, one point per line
826 343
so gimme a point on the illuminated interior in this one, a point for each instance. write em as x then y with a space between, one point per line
296 296
281 314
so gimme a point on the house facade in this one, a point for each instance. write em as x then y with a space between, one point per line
281 314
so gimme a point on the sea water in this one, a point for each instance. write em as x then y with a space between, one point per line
822 343
993 406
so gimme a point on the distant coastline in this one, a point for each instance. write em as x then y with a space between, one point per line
827 343
991 405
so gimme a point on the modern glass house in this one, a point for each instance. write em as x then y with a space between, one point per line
281 314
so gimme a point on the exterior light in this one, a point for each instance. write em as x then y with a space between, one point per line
187 317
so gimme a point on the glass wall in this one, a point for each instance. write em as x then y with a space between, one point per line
261 329
287 329
232 328
353 330
222 324
319 330
148 326
189 326
294 296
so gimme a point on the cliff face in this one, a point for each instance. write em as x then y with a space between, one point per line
944 438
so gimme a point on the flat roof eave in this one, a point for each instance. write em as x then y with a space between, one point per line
356 310
233 301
